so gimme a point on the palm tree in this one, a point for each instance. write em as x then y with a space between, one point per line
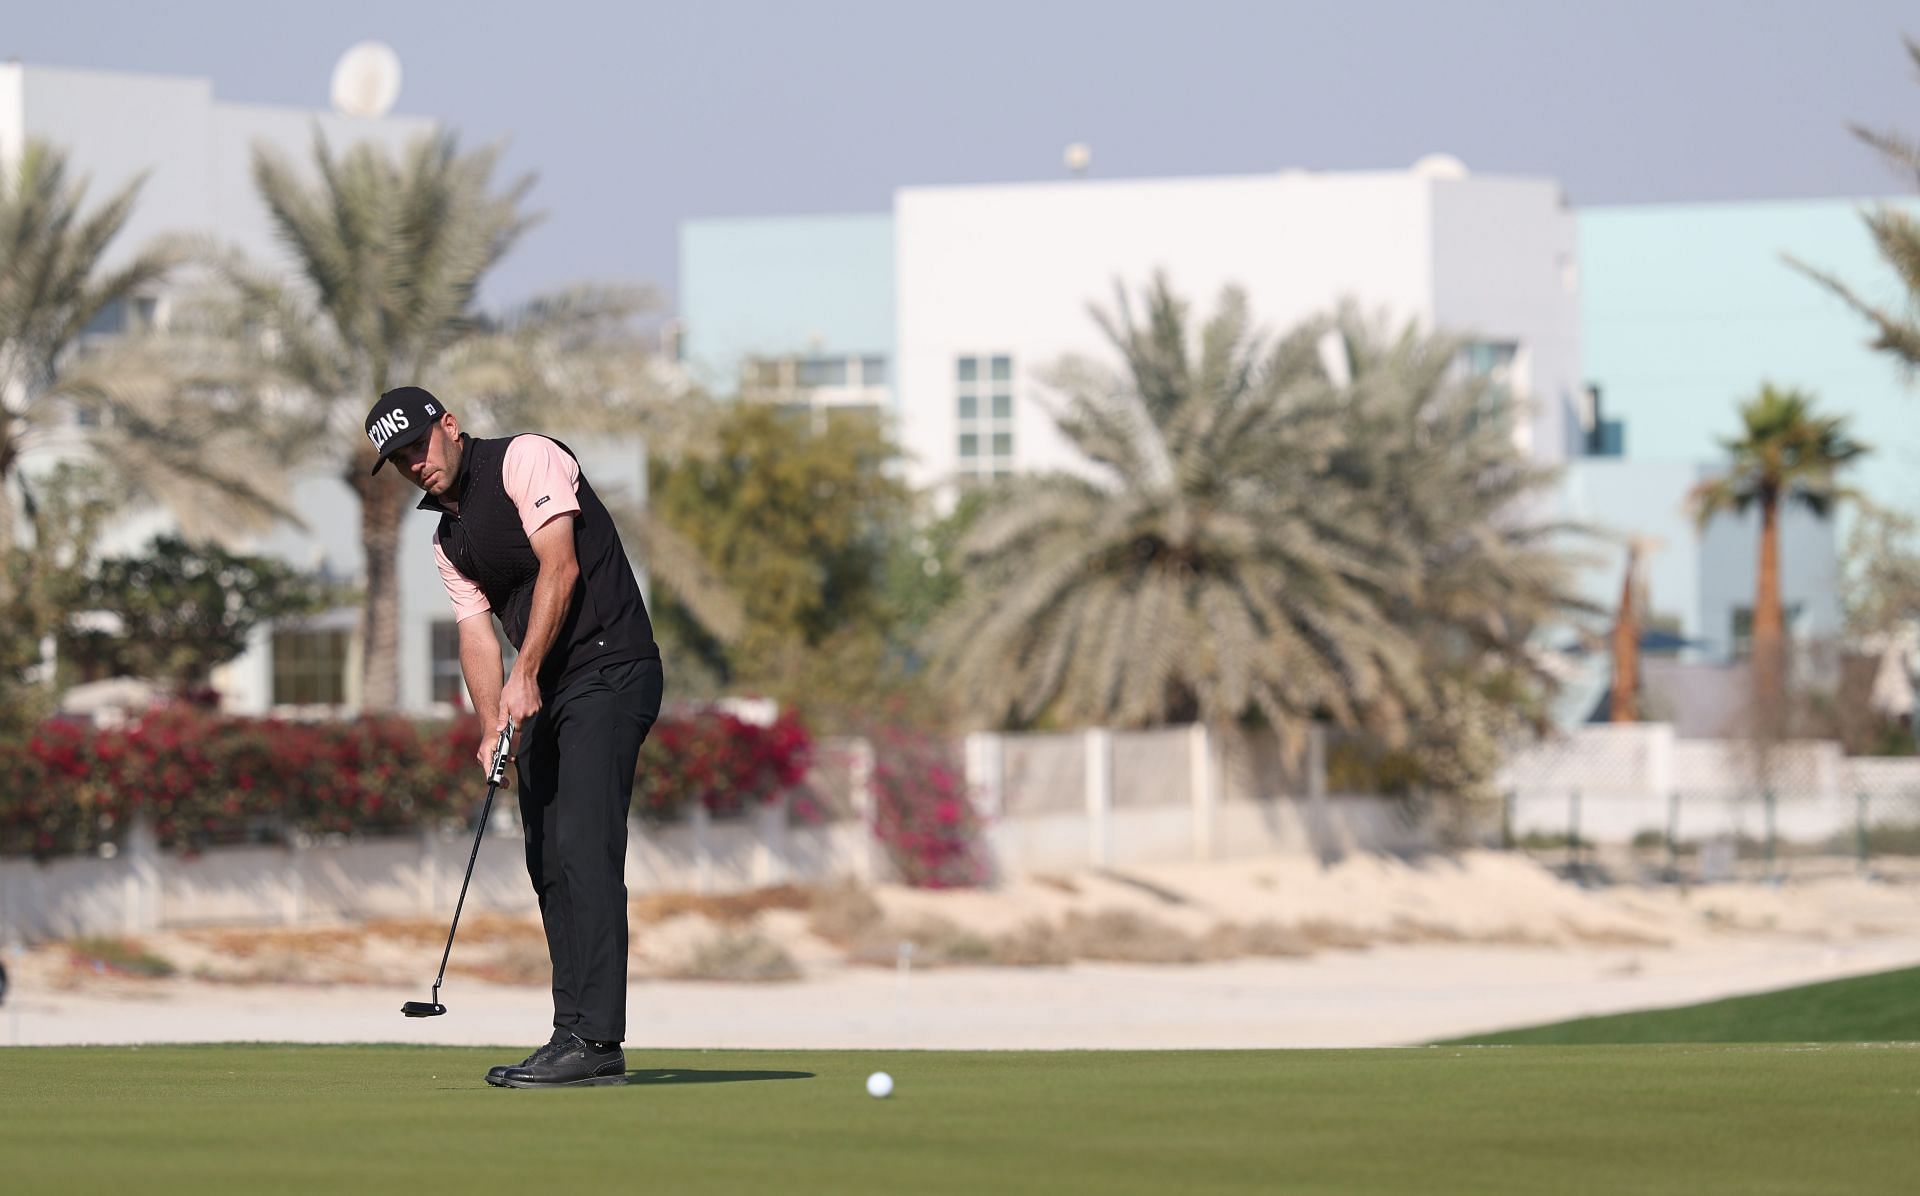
1785 454
1896 234
1427 448
1624 699
389 253
1257 538
52 288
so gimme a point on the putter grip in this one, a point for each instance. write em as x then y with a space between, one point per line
498 771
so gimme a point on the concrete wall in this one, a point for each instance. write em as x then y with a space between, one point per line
1615 782
1187 796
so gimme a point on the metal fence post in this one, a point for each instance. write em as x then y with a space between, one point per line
1772 831
1673 834
1860 827
1573 831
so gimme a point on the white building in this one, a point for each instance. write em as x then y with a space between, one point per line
990 285
196 152
994 285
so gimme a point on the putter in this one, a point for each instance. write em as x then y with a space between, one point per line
496 773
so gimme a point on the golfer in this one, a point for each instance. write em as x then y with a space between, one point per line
523 537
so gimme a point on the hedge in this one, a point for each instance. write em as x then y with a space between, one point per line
203 778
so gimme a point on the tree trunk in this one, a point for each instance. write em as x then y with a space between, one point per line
1626 648
382 507
1769 648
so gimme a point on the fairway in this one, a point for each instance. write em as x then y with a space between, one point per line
1884 1007
199 1119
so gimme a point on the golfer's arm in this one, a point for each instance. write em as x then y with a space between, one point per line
480 665
552 593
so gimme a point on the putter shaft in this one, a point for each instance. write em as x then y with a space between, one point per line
496 773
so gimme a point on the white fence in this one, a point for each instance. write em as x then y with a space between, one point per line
1609 784
1051 802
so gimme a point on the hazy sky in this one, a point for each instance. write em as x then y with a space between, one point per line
636 116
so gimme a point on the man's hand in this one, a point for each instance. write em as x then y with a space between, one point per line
519 701
500 741
484 754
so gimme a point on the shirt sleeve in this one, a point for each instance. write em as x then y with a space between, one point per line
540 478
468 601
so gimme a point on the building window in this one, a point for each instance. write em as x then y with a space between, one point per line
821 371
1493 361
310 668
445 682
983 406
818 381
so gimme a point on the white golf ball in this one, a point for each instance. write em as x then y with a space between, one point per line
879 1084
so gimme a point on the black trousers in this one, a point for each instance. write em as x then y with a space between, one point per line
576 763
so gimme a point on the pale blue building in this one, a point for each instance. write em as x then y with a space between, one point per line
1688 309
800 305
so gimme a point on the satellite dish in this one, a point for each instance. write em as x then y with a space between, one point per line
1441 167
366 80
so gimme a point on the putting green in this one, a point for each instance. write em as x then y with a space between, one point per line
198 1119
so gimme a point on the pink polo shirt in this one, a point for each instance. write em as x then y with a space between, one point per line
541 480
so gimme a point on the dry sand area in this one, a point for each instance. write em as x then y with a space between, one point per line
1271 952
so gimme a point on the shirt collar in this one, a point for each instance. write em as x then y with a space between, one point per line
461 476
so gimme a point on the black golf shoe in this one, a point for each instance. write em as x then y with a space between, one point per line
497 1076
571 1064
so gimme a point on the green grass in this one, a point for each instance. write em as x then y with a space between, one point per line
201 1119
1880 1008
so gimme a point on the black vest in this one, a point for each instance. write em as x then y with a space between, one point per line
606 623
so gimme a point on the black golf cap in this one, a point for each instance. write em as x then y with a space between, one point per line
403 415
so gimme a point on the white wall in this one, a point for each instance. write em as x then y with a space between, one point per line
1617 781
1506 268
1184 795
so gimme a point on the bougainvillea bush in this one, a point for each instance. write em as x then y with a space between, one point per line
714 759
202 778
922 812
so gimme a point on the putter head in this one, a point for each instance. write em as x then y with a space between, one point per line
423 1009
